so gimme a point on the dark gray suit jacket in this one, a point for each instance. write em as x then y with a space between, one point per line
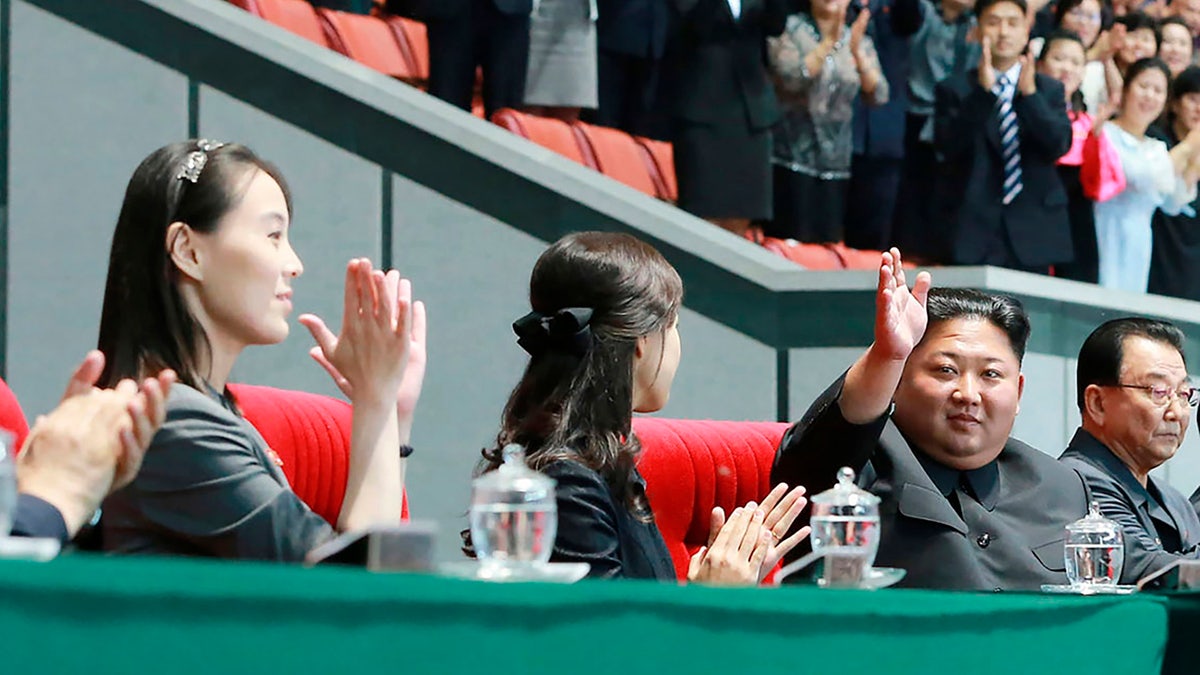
1145 521
208 487
1010 534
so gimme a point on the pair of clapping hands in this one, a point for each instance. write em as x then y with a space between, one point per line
744 548
93 443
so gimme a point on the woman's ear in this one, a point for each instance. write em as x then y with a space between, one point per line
639 348
181 246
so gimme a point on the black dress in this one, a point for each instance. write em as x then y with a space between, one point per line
1175 257
595 527
722 105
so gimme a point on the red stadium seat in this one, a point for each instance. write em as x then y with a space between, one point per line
12 418
618 156
662 156
415 43
311 435
690 466
549 133
368 40
861 259
297 16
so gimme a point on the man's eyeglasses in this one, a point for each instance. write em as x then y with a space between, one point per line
1164 396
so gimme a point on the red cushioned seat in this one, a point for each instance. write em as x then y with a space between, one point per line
690 466
414 42
549 133
661 156
618 156
12 418
297 16
311 435
369 40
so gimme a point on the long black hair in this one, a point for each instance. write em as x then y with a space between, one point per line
145 325
577 403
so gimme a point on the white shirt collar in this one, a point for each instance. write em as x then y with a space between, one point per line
735 8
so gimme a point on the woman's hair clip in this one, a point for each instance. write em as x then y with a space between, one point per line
194 163
566 330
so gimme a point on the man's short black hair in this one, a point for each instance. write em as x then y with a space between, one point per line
1102 352
1002 311
981 6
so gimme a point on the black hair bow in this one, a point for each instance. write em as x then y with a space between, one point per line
566 330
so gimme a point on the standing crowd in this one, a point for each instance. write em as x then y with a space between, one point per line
1052 136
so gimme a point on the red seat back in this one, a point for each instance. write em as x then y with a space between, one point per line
549 133
311 435
618 156
297 16
690 466
414 42
368 40
12 418
662 156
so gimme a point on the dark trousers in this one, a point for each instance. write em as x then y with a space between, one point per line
627 87
871 201
1001 253
482 36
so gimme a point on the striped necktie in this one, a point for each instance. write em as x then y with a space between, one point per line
1010 145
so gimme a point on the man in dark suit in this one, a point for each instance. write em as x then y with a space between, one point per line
924 418
879 130
998 132
632 36
466 34
1134 396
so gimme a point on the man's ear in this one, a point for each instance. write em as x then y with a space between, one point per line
1093 403
1020 389
181 246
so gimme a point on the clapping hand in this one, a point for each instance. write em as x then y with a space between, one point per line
857 30
93 443
900 317
780 509
1027 80
987 73
736 553
380 354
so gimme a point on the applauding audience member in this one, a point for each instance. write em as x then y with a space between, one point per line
941 49
924 417
1175 251
201 268
90 445
820 66
1154 178
1136 403
1176 47
999 132
603 341
1062 58
723 107
561 78
632 37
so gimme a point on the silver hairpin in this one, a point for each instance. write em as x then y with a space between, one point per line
195 161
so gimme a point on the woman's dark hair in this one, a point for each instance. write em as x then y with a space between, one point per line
1002 311
1063 35
1064 7
1186 82
577 404
1103 351
1135 21
1140 66
145 326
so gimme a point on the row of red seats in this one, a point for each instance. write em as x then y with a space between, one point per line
399 47
393 45
690 466
641 163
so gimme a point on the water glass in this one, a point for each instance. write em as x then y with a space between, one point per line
1094 552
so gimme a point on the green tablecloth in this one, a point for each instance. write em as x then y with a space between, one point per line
95 615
